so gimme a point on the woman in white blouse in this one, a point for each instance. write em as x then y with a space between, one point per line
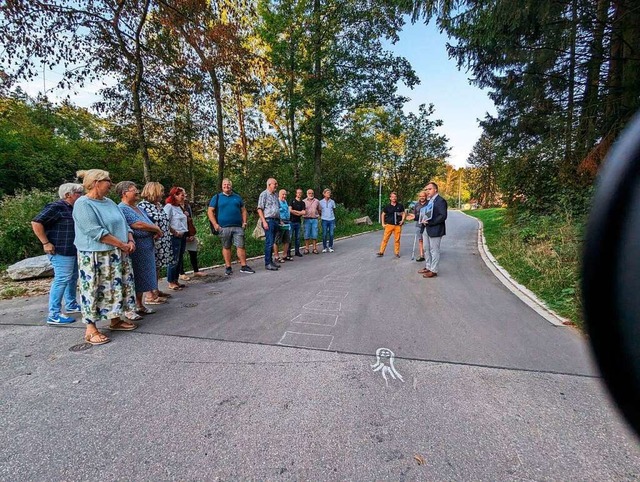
178 228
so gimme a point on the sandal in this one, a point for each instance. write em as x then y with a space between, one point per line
315 251
96 338
175 288
287 258
143 310
132 315
280 260
121 325
158 300
162 294
306 251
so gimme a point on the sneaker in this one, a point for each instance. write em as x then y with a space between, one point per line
397 255
275 265
73 308
270 267
228 271
331 250
380 255
247 269
299 255
324 250
420 259
60 319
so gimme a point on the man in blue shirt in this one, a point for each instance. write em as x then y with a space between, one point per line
228 216
54 228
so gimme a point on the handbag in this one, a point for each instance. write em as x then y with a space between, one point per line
214 231
191 228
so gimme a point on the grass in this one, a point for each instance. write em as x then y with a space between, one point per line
210 249
540 252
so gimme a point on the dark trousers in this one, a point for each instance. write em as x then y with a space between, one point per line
193 257
295 234
269 238
178 245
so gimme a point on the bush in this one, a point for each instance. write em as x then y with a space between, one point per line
17 240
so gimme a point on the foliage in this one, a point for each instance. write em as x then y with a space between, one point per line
565 78
540 251
17 240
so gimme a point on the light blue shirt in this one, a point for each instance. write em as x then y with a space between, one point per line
327 208
96 218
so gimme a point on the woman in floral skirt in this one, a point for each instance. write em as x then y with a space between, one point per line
104 242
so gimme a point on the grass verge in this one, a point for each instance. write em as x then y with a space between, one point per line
540 252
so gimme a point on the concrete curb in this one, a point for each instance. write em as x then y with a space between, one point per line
522 292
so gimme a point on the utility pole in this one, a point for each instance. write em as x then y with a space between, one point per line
460 187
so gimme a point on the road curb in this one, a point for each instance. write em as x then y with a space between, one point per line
522 292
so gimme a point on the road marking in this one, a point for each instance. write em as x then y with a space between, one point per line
383 356
323 319
323 305
333 294
306 340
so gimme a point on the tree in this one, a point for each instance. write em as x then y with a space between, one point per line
484 175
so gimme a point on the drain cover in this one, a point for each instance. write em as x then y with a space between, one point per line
189 305
81 347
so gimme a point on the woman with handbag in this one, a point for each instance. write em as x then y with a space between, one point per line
192 242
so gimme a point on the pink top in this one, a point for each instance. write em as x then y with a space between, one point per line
312 208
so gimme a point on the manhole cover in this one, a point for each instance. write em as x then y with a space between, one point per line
81 347
189 305
214 292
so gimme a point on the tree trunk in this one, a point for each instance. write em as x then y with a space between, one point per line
317 128
292 112
587 133
569 167
243 135
217 94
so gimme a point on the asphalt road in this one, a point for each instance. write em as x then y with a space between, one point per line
272 376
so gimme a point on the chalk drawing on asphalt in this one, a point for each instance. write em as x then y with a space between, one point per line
384 364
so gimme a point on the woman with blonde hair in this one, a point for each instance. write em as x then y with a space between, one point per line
152 195
104 242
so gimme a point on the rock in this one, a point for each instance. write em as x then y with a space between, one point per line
38 267
366 220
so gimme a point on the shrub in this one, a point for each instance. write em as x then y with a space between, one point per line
17 240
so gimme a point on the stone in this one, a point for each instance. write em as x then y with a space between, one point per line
365 220
37 267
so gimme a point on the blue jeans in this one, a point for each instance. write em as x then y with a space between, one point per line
65 281
295 234
178 246
269 239
327 233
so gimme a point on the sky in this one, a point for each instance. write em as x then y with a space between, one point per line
457 103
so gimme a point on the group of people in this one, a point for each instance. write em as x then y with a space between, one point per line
430 214
112 254
281 222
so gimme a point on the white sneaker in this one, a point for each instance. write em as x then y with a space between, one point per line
324 250
331 250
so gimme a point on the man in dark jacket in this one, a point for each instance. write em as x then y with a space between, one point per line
433 216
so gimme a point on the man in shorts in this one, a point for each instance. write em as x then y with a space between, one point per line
228 216
311 215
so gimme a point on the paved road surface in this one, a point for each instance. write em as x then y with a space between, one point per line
269 376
